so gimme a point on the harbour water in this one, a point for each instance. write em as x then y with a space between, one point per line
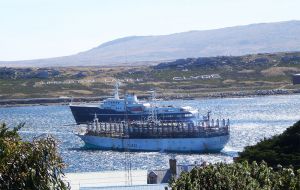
252 119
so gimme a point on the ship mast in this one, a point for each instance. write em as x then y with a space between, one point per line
116 92
153 112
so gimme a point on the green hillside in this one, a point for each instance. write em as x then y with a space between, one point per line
256 74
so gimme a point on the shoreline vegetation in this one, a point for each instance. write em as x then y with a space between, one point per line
283 149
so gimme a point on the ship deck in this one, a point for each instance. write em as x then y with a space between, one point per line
152 130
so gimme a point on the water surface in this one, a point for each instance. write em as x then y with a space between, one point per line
252 119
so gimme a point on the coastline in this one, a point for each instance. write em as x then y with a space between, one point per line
67 100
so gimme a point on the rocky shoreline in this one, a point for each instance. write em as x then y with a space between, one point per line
68 100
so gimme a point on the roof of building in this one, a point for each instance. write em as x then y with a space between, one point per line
163 176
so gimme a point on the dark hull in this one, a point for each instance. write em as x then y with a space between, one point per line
86 114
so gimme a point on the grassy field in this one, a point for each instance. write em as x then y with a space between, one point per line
183 78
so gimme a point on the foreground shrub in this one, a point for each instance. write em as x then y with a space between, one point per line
29 165
238 176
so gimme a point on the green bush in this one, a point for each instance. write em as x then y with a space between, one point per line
283 149
278 151
29 165
238 176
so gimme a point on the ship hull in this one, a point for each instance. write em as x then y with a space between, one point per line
86 114
208 144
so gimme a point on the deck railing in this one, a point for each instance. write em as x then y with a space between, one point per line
171 129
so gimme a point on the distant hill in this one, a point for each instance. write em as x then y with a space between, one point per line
238 40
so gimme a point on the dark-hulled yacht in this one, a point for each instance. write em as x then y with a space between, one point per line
130 109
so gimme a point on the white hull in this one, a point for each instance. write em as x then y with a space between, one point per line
210 144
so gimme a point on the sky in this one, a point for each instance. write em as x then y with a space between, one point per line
32 29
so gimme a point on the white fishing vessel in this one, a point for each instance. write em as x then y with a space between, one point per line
203 135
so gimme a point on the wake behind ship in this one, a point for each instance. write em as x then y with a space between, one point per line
129 109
